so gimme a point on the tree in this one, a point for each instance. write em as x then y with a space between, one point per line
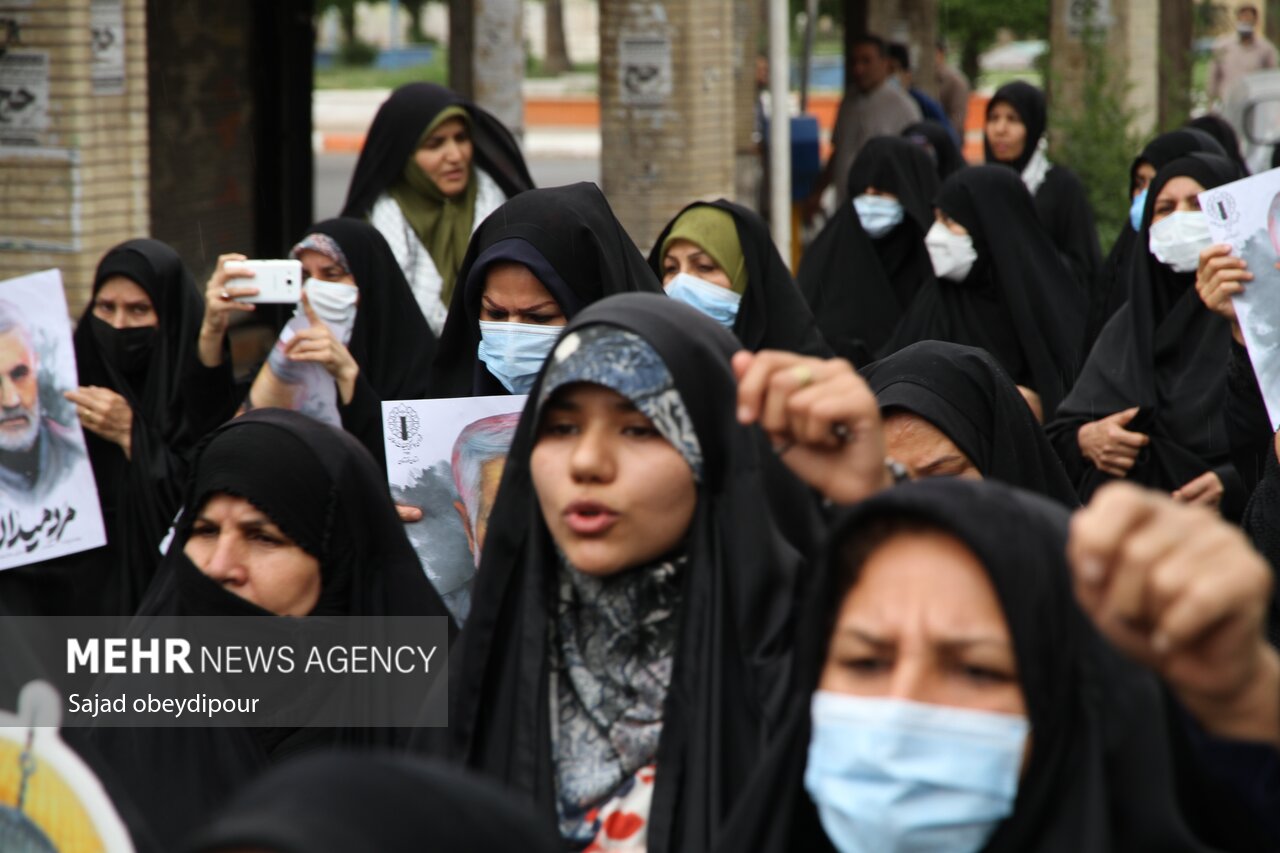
557 59
415 9
972 25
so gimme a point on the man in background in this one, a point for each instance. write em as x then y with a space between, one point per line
900 67
1238 55
874 108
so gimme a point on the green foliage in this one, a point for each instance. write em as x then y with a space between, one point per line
346 77
970 25
1092 137
357 53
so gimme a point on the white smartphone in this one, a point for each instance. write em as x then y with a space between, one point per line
277 281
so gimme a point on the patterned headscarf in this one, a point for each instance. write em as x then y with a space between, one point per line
625 362
325 245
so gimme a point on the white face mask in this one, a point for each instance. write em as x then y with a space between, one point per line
333 302
1178 239
953 255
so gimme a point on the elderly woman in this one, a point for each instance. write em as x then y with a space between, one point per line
285 518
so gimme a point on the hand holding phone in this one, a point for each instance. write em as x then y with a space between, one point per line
277 281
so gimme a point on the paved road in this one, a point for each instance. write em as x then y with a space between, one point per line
333 173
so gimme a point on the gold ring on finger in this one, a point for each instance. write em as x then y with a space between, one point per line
803 374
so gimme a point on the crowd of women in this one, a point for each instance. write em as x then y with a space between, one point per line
962 539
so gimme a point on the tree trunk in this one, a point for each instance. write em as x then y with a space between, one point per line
969 63
557 59
347 17
1175 34
414 8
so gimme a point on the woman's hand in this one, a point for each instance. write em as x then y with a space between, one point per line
219 304
318 346
821 417
1181 591
106 414
1205 490
408 514
1109 446
1220 276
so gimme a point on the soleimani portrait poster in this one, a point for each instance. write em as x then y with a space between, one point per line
1246 215
446 458
48 498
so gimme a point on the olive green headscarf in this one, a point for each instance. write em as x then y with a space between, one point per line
714 231
443 224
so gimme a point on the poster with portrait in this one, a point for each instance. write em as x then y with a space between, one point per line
48 498
446 457
50 799
1246 215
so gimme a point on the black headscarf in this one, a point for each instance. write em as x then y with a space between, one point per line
967 395
570 231
399 125
1111 288
372 804
1166 353
1221 130
327 494
139 494
1019 302
1099 772
731 662
939 144
773 315
860 288
1028 102
391 340
1061 201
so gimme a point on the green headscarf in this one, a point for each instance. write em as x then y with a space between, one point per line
443 224
714 231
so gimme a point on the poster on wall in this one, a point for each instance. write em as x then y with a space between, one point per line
644 68
107 32
48 497
24 96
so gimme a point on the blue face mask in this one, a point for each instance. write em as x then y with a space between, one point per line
889 775
719 303
1135 209
514 352
878 215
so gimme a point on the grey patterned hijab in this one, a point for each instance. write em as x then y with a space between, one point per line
613 638
625 362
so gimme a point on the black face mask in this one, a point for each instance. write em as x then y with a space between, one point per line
127 350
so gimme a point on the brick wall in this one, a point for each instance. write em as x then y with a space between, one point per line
663 150
73 136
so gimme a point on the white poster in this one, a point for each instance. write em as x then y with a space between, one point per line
24 96
107 32
644 68
446 457
48 498
1246 214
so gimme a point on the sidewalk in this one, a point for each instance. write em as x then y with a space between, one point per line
561 120
557 124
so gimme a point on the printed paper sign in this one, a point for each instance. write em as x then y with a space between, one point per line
644 68
24 96
48 498
107 32
446 457
1246 214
